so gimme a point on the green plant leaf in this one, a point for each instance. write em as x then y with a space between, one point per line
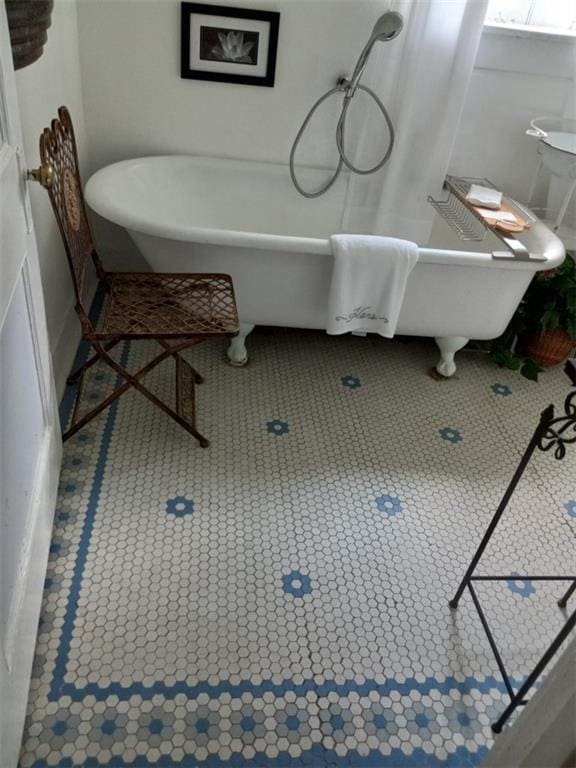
530 370
550 320
506 359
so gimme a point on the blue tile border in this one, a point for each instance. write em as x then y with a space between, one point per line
280 689
317 757
83 547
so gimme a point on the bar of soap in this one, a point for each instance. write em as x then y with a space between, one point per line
484 196
490 213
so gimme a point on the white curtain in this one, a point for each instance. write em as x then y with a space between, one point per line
422 77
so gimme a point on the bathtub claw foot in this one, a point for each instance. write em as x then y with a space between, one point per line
448 346
237 353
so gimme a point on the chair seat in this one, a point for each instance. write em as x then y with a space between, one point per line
152 305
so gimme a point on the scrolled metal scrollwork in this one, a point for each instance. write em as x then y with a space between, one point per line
560 431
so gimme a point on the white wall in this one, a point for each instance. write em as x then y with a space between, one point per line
51 81
516 78
136 103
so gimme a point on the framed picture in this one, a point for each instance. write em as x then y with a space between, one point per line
229 45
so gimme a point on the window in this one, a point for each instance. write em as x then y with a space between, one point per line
539 15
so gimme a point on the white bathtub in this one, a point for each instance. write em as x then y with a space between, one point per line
197 214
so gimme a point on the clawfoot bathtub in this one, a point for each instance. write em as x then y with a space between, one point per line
197 214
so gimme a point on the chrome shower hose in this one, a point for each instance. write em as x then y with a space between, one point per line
340 131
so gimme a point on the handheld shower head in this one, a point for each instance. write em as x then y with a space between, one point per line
387 27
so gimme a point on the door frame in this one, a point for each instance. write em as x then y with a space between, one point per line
17 648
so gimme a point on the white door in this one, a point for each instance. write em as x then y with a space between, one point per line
30 444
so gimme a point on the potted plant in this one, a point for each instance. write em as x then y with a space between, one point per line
543 330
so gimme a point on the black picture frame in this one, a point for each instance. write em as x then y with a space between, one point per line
225 49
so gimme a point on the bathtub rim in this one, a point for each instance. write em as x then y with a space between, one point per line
99 199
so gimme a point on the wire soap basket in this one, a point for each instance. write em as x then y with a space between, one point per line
469 225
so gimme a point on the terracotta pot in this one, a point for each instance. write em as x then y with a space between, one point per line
548 347
28 21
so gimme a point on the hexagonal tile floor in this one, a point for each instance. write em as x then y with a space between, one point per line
281 598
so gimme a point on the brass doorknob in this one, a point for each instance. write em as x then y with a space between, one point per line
44 175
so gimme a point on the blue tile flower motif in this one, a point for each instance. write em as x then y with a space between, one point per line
352 382
522 587
422 721
277 427
501 389
451 435
202 725
391 505
337 722
464 719
63 728
51 584
60 727
296 584
179 506
570 507
71 488
74 463
292 722
247 724
379 721
83 438
156 725
108 727
205 724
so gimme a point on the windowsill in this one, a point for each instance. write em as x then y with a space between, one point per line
534 33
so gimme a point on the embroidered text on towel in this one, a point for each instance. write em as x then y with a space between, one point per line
361 313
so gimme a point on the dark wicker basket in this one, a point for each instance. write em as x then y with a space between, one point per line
28 22
548 348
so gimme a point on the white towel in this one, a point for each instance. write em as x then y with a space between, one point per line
368 283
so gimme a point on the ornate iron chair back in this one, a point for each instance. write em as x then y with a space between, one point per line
58 152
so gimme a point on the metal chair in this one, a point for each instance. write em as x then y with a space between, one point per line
176 310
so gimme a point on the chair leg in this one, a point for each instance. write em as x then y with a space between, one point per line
75 375
77 425
198 378
132 380
185 395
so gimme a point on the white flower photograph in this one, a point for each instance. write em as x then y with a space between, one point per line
227 44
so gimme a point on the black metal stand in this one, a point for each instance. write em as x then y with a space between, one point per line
551 433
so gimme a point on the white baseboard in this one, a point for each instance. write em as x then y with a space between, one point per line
15 678
64 350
